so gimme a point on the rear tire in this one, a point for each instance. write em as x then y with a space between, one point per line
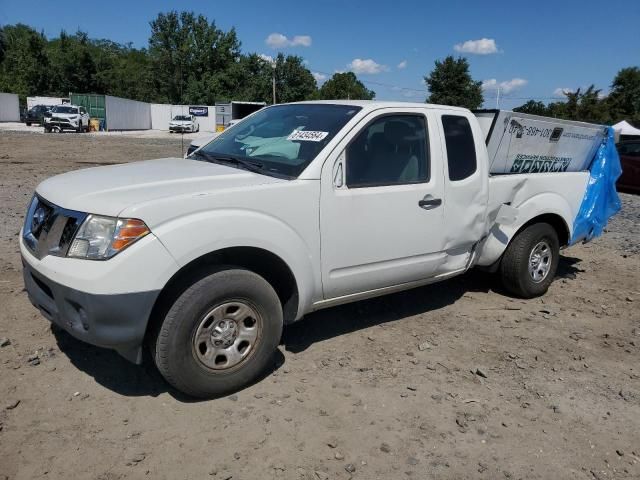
233 308
530 262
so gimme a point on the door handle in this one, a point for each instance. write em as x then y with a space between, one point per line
429 203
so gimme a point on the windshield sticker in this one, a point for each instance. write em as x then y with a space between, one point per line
307 136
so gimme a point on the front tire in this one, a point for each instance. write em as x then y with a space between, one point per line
530 262
220 334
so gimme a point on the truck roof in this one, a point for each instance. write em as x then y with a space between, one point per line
375 104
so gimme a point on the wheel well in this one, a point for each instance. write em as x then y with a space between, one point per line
266 264
556 221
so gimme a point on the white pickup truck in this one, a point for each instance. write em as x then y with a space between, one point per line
299 207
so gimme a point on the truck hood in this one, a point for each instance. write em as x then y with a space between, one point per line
109 190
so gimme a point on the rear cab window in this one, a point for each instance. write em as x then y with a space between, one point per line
461 149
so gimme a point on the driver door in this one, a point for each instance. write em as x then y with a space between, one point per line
381 206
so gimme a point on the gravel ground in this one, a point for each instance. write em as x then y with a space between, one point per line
455 380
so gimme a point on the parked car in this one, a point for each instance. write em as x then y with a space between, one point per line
184 123
37 114
299 207
67 117
629 152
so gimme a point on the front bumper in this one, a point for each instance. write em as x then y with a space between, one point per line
180 128
61 124
115 321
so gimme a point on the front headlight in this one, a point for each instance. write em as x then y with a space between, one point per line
100 238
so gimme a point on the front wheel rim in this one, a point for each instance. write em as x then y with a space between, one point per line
227 335
540 260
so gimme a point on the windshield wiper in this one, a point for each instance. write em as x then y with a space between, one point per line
251 166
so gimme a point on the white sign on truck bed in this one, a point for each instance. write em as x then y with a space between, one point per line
296 208
523 143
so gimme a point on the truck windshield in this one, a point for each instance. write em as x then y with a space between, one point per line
280 140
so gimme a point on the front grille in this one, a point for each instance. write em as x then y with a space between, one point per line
49 229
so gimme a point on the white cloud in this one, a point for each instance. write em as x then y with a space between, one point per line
266 58
301 40
278 40
320 77
506 86
402 65
358 65
484 46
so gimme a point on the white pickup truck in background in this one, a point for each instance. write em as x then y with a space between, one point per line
299 207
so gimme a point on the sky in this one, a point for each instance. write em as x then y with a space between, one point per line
533 49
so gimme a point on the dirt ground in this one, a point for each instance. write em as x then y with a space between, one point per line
454 380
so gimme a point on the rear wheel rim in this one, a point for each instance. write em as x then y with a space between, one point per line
540 260
227 335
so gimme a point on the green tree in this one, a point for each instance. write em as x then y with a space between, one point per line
624 98
533 107
584 106
187 54
294 81
450 83
72 65
123 71
248 79
344 86
24 64
251 79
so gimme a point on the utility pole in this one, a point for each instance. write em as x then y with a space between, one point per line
273 80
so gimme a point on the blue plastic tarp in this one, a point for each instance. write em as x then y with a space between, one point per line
601 200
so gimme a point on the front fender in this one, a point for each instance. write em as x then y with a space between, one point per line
190 237
499 236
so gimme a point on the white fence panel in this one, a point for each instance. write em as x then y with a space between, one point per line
124 114
9 107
